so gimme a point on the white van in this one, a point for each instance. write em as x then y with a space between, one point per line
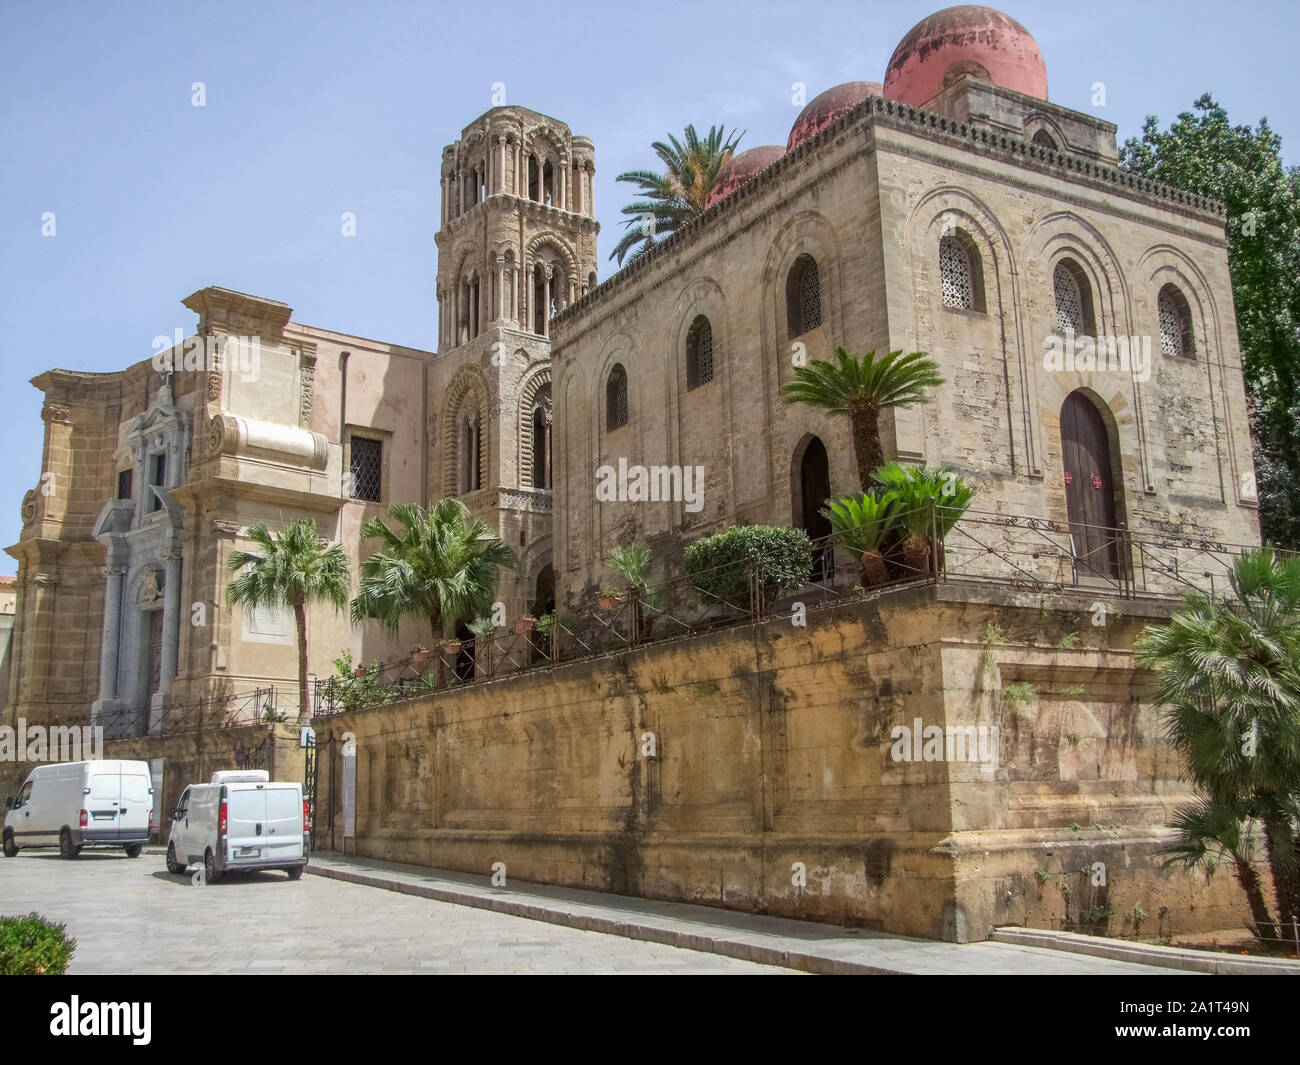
70 805
240 822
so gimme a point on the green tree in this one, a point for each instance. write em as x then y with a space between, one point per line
439 565
1204 153
860 524
1229 675
680 193
296 567
862 388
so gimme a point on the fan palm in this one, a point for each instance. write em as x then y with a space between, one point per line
439 565
862 388
677 195
861 523
294 568
1229 674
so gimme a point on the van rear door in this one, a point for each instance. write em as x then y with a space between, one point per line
136 804
102 802
245 823
284 822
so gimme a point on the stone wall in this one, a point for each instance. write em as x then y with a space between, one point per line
773 745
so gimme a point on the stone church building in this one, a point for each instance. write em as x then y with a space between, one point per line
951 208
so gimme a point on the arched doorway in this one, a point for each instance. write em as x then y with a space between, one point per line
814 489
1090 487
543 603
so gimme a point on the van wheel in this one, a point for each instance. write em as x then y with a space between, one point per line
211 873
11 848
295 872
134 850
173 866
66 849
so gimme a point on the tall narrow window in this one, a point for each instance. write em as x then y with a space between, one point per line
471 472
157 480
616 412
124 478
1175 322
365 469
1073 298
954 274
542 438
699 353
803 296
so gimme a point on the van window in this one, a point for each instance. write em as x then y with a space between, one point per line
183 806
135 789
247 806
25 795
105 787
283 804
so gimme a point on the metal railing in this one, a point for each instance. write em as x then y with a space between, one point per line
982 547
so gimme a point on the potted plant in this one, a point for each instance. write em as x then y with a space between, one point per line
361 671
860 523
419 653
930 503
451 647
609 599
524 624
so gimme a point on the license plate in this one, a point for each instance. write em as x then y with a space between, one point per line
104 817
250 852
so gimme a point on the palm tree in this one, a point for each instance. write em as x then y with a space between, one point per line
862 388
439 565
292 569
1229 674
861 523
930 502
632 564
676 196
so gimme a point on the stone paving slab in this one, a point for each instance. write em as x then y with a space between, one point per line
1201 961
804 945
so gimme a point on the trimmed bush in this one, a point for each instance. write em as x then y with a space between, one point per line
33 946
720 565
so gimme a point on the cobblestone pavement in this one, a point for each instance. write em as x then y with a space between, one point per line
130 916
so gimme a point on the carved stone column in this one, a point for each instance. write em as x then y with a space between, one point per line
109 641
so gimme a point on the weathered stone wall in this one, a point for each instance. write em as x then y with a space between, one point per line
773 746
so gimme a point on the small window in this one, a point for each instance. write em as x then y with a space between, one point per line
1044 140
24 795
1073 298
124 478
954 274
803 296
616 412
471 467
157 480
365 469
1175 322
699 353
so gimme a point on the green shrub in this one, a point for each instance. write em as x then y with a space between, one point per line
33 946
720 565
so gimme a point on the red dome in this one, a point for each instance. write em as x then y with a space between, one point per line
826 108
741 168
961 40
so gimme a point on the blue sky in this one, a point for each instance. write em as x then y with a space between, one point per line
318 108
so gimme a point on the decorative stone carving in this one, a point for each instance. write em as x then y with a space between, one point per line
227 528
307 382
29 506
56 412
149 590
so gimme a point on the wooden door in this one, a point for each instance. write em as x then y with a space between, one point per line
1089 487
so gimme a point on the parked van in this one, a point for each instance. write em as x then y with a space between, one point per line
70 805
240 822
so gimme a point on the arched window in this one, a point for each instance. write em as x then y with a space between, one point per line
541 426
1044 140
1175 322
616 398
1073 298
548 183
699 353
803 296
471 472
534 184
591 281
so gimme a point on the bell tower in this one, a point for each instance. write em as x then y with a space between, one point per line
517 244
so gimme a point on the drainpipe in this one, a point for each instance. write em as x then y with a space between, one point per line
343 420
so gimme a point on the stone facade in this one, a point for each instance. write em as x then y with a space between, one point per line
869 199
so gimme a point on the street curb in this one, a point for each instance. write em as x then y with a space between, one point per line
742 949
1147 954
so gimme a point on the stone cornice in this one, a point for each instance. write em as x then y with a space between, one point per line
544 214
874 111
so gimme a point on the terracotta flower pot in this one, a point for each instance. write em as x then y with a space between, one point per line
420 655
451 647
361 671
609 602
525 624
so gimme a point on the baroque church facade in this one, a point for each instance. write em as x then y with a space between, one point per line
952 209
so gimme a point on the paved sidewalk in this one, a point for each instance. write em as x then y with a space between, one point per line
812 947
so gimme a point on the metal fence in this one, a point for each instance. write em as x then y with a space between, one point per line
983 547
